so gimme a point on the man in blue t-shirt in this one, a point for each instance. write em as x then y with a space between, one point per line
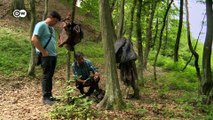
85 74
44 32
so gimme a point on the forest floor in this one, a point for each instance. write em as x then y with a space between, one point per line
20 98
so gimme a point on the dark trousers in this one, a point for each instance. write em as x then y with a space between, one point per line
92 84
48 65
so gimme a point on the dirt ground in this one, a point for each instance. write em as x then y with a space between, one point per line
21 97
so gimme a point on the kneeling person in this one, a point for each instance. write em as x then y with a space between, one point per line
82 69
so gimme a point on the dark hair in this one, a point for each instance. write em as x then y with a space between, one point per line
78 54
55 14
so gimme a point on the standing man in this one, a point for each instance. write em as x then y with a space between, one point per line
44 35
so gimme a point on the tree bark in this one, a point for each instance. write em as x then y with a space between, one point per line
166 37
46 9
139 43
149 35
207 82
203 21
161 34
131 19
121 20
113 97
179 32
156 35
31 69
113 5
18 4
196 56
69 53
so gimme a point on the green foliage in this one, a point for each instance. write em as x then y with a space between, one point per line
179 81
90 7
14 51
80 109
92 51
77 108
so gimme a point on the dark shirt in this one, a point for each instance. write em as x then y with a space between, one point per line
83 71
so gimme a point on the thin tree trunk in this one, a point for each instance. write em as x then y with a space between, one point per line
46 9
179 32
196 56
161 34
68 52
18 4
139 43
111 9
156 35
149 35
113 5
207 83
131 19
166 39
196 43
113 97
121 20
31 68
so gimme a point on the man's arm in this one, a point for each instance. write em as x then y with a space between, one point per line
76 76
37 44
93 69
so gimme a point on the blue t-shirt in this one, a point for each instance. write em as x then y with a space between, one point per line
42 30
83 71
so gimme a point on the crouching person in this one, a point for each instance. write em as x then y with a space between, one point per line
85 75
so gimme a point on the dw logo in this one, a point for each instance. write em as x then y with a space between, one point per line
19 13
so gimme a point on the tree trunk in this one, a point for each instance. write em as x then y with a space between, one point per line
31 69
196 56
131 19
179 32
111 10
121 20
18 4
166 39
46 9
139 43
203 21
161 34
156 35
149 35
207 83
113 97
113 5
69 53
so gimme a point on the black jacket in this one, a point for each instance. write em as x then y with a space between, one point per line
124 51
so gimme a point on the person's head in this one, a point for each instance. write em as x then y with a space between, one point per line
53 18
79 57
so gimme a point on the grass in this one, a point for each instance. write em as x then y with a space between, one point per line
14 51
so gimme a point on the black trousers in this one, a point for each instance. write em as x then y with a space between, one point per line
48 65
92 84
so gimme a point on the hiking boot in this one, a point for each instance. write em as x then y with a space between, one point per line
48 101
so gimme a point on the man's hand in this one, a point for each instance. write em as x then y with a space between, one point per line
44 53
96 75
37 44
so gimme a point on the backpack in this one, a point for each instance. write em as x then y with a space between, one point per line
70 35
